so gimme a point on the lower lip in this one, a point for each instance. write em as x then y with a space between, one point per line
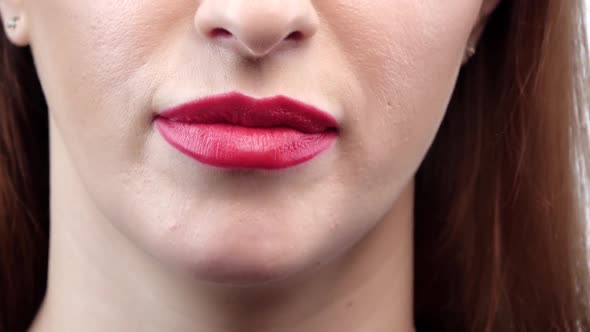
232 146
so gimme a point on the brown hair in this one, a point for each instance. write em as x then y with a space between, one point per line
24 189
499 216
500 230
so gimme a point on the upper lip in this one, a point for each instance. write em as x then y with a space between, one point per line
239 109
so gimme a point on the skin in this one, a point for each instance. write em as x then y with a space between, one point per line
144 238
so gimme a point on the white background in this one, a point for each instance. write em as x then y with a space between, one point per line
587 9
587 185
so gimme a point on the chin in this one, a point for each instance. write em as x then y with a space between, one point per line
244 270
238 252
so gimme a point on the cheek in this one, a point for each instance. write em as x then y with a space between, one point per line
90 58
407 55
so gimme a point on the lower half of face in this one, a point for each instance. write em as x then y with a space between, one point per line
384 69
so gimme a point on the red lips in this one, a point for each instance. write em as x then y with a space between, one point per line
237 131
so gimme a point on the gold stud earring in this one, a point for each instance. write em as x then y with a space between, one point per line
470 52
12 24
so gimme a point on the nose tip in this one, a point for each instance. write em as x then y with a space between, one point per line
256 28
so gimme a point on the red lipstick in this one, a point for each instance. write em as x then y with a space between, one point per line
236 131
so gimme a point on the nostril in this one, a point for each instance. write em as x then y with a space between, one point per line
220 32
295 35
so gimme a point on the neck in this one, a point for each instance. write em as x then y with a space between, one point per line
99 281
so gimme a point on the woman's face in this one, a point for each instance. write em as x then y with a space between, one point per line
384 69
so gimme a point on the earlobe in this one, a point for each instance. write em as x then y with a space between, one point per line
487 8
14 22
